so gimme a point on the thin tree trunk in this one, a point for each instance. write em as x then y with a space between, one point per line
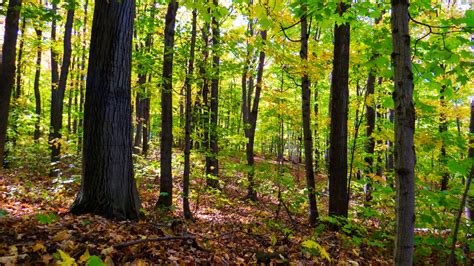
37 133
83 76
443 129
108 187
306 112
166 180
252 120
465 196
212 163
19 61
57 96
338 194
404 132
7 69
370 144
187 129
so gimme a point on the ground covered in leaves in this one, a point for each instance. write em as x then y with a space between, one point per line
35 227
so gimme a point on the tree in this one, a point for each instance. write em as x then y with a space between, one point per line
57 93
166 145
306 112
212 163
250 108
7 70
404 150
188 113
108 187
37 133
339 104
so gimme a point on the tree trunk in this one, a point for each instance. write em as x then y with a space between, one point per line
404 131
306 111
83 76
37 133
212 163
57 96
187 129
7 71
252 122
166 180
370 144
338 195
108 187
20 58
443 129
146 123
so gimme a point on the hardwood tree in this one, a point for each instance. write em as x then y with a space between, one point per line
404 150
108 186
166 180
36 89
339 105
188 121
212 163
57 93
306 113
7 69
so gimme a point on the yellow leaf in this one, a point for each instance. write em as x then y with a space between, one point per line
66 260
39 247
84 257
62 235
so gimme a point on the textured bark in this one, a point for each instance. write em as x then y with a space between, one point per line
306 112
212 163
7 71
187 127
37 133
338 194
146 123
57 96
252 122
404 131
108 187
166 145
470 199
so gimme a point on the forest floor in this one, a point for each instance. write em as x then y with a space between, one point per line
226 229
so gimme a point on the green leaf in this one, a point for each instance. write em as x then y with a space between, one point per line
95 261
46 218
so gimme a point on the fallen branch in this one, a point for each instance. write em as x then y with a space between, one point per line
134 242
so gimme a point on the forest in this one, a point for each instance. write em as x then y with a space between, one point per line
279 132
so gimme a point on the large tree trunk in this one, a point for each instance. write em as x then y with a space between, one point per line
57 96
108 187
7 71
187 127
166 180
338 194
404 131
212 163
37 133
252 122
306 111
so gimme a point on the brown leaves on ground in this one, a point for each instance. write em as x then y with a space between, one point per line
225 230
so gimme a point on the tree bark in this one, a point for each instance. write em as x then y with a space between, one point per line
212 163
252 122
443 129
7 71
166 180
108 187
187 127
19 61
306 112
370 144
338 194
37 133
57 96
404 132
